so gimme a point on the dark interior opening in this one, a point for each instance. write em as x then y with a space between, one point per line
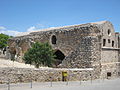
108 40
118 42
4 50
109 31
59 57
112 43
104 42
118 73
54 39
109 74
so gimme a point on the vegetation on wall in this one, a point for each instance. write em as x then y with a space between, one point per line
39 54
3 40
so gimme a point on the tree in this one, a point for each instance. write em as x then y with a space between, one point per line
3 40
39 54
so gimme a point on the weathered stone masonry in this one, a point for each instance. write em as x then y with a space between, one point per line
91 45
16 75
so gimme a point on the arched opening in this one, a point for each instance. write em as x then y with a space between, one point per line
54 39
109 32
59 57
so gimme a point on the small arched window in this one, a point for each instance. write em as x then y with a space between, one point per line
109 32
54 39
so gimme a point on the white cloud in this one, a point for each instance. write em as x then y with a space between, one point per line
2 28
37 27
41 26
33 28
8 32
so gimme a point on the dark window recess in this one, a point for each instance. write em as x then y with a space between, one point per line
104 42
112 43
108 40
109 32
118 73
118 42
109 74
54 39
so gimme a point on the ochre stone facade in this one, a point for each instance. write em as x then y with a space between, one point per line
91 45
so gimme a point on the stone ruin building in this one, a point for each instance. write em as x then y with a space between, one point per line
91 45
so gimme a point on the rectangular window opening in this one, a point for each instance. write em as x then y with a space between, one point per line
108 40
109 74
112 43
104 42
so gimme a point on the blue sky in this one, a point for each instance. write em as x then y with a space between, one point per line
29 15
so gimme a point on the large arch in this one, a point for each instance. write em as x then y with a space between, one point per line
59 57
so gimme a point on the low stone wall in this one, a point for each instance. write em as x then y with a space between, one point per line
16 75
110 70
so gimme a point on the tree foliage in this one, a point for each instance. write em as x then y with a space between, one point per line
39 54
3 40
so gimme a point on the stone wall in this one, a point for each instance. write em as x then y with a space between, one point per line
109 51
112 68
82 45
87 53
41 75
68 40
110 62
